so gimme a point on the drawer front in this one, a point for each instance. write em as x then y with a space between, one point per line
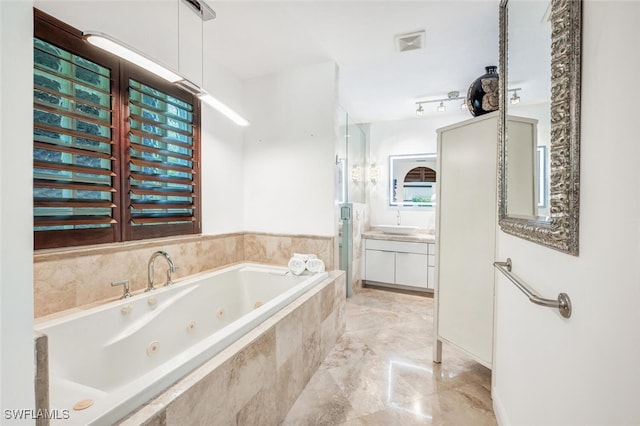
379 266
398 246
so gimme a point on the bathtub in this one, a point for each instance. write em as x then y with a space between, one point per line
119 355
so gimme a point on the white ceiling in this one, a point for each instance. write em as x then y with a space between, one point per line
255 38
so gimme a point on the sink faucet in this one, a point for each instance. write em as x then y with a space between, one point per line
398 216
171 270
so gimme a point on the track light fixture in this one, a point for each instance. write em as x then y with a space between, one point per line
454 95
514 99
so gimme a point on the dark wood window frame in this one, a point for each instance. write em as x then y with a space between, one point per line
123 226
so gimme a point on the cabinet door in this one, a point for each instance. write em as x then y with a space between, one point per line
467 235
411 269
380 266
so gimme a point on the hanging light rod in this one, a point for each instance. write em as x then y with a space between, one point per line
120 49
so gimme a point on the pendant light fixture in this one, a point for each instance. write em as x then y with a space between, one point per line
128 53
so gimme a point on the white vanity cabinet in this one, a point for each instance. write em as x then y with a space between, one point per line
399 263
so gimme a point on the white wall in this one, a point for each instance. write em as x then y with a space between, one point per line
222 154
584 370
415 136
290 149
16 156
222 174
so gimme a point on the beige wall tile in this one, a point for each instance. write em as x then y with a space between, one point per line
328 334
290 382
262 409
54 288
41 343
311 354
203 402
278 249
67 279
327 301
70 278
288 336
255 365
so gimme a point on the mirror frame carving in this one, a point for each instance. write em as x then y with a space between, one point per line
561 231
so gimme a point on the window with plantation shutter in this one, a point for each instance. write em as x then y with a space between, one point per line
115 149
162 161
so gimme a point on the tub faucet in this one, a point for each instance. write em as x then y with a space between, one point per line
171 270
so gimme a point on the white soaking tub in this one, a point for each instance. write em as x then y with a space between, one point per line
121 354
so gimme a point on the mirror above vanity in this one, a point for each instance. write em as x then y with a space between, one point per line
540 85
412 180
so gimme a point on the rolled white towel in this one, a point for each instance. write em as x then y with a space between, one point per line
304 256
315 265
297 265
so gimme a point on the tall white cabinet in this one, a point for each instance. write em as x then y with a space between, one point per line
467 226
466 222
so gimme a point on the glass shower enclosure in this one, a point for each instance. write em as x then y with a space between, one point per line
350 168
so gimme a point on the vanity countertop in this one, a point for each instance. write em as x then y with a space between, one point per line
418 237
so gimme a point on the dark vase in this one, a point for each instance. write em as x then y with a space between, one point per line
482 96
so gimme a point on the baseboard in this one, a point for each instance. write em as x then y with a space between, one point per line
498 408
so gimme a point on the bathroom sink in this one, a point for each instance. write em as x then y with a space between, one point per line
397 229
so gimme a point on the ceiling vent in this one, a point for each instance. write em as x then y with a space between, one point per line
411 41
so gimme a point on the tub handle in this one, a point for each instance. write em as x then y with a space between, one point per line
169 274
125 284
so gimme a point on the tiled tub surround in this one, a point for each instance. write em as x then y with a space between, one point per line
258 378
151 345
41 349
70 278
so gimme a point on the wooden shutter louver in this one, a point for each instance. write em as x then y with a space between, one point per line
162 175
73 161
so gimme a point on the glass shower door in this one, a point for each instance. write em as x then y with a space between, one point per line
350 163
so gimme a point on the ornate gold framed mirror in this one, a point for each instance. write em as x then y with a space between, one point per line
551 217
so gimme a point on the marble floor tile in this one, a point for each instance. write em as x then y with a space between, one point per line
381 372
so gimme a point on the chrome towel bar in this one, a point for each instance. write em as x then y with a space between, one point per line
563 303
